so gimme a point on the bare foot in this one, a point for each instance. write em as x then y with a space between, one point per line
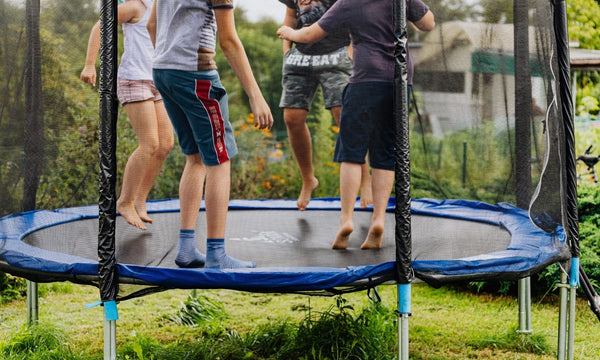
374 238
342 237
143 214
306 193
130 215
366 196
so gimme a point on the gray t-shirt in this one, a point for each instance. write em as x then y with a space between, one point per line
186 34
309 14
371 27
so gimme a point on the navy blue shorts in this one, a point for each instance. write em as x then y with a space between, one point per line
367 125
197 106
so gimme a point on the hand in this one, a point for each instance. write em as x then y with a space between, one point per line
284 32
263 119
88 75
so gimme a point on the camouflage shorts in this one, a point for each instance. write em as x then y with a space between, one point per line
302 74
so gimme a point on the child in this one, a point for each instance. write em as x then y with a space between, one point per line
184 35
367 120
142 102
325 63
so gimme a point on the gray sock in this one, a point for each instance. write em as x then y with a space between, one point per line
216 258
187 254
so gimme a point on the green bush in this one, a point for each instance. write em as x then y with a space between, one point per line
265 167
338 334
37 342
11 287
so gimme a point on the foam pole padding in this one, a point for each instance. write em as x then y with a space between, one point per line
107 202
404 270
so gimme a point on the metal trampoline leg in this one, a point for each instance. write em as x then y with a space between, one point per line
404 299
525 306
32 303
562 318
568 299
571 337
110 339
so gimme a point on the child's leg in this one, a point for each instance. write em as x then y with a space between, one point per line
383 180
366 188
139 161
366 196
190 191
217 204
158 141
349 185
216 201
299 137
190 198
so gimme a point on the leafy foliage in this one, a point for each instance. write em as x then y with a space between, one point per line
584 28
512 340
439 169
38 342
584 23
199 310
339 332
11 287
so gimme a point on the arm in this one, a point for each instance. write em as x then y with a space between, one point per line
130 11
426 23
88 74
232 48
305 35
151 24
291 21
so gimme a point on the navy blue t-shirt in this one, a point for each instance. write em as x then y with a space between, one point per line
308 14
371 27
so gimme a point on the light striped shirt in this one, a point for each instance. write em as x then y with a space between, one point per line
186 34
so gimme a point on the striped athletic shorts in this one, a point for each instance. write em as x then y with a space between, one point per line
196 102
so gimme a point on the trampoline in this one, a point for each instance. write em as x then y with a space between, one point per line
478 140
453 240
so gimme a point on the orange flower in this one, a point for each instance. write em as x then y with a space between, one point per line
267 133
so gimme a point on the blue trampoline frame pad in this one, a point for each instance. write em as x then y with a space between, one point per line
530 250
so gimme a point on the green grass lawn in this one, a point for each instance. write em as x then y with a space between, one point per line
445 324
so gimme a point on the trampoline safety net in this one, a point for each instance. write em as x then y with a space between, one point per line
487 154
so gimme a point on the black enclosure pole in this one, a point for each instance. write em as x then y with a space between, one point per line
108 120
522 165
567 320
33 130
404 269
523 104
402 166
566 100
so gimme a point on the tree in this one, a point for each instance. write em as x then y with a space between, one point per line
584 28
263 49
584 23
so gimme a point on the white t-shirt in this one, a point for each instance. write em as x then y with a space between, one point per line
136 61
